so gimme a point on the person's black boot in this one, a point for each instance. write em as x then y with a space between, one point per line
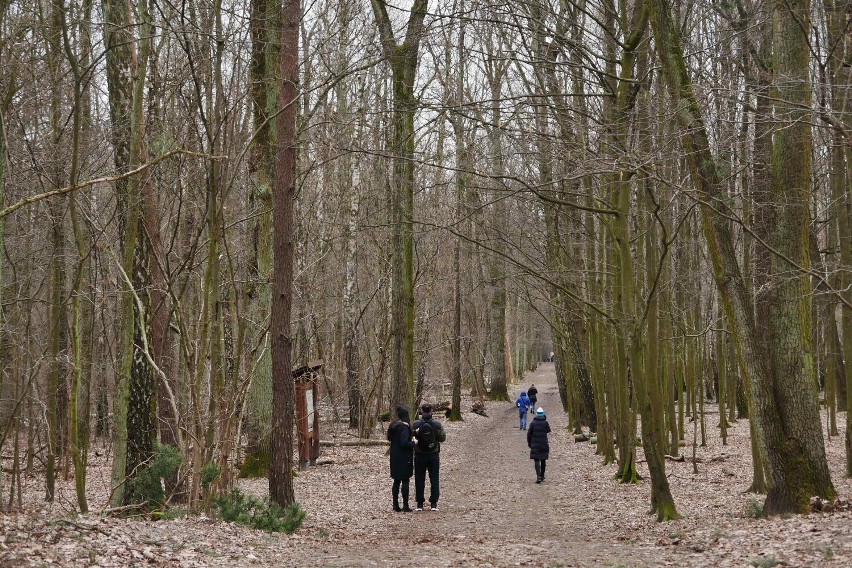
405 507
396 503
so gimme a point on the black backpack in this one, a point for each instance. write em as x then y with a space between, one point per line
427 441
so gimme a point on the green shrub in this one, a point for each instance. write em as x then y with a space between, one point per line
172 514
210 473
255 465
764 561
260 514
754 509
147 485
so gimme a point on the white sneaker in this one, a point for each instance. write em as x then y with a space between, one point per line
435 508
418 509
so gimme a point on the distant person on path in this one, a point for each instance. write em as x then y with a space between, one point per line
537 441
533 394
427 457
524 404
401 457
550 359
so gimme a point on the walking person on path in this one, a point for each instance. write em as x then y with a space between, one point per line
427 457
532 393
538 444
524 404
402 444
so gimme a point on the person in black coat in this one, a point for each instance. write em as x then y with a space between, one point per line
532 394
538 444
401 457
427 460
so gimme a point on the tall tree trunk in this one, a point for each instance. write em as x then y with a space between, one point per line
281 488
461 187
126 63
403 59
4 105
57 405
496 270
351 307
160 309
628 335
265 22
838 13
82 290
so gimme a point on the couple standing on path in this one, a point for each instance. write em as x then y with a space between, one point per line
537 432
415 448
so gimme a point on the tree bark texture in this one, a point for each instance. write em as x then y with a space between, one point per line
281 488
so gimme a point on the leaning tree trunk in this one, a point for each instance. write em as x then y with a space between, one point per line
783 407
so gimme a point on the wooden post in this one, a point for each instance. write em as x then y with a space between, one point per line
307 415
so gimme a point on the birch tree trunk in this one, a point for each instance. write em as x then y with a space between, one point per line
126 64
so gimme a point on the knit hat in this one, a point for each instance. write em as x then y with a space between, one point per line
539 411
402 412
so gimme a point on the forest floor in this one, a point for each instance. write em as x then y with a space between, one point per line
492 513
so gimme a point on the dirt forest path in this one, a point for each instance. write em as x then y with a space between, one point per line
492 513
491 510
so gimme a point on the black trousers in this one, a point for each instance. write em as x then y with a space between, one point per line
422 464
405 485
540 465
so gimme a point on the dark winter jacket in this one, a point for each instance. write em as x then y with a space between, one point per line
440 434
401 450
533 394
537 433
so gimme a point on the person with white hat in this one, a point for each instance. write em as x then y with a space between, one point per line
538 444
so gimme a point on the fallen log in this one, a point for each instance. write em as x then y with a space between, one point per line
355 442
679 458
479 408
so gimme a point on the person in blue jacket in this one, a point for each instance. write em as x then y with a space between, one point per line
538 444
523 403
